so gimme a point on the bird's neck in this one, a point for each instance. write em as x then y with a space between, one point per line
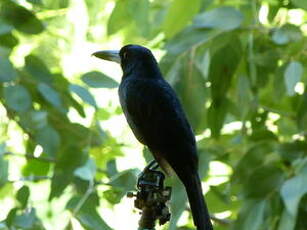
142 69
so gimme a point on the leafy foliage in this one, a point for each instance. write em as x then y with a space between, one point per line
239 68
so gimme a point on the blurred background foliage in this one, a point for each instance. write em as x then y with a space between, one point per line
67 157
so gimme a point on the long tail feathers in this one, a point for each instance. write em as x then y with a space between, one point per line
198 206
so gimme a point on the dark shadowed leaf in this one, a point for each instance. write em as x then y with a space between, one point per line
23 195
223 18
4 167
7 73
84 94
8 40
21 18
173 24
96 79
17 98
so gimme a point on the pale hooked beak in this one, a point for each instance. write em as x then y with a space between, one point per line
110 55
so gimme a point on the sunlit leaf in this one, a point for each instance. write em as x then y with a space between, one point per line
173 24
17 98
223 18
98 80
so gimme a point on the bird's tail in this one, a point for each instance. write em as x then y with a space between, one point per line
198 206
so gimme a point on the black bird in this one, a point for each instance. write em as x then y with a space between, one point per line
158 121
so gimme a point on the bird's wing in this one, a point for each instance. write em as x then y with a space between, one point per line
155 115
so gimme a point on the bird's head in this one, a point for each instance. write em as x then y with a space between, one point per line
129 57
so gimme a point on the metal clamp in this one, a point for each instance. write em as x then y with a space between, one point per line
152 197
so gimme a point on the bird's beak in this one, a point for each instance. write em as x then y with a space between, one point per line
110 55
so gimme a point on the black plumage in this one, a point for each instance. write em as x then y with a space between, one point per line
158 121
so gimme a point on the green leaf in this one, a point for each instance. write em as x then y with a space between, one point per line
7 73
84 94
34 119
287 221
125 179
96 79
190 85
300 3
223 66
88 216
4 167
188 39
49 139
86 171
286 33
269 178
23 195
178 202
292 75
179 15
37 69
54 4
17 98
21 18
216 116
36 167
293 190
255 216
50 95
25 220
71 157
223 18
119 17
8 40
